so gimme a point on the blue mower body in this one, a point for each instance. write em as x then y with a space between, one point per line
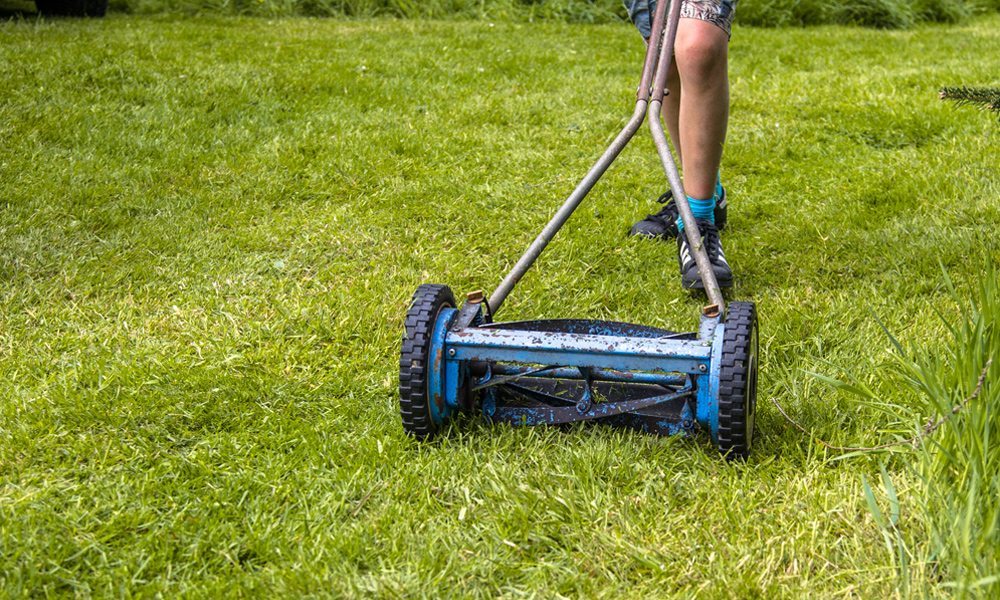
563 371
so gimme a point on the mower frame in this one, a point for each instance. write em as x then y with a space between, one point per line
561 371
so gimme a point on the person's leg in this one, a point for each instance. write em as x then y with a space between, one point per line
663 224
696 109
702 53
672 106
703 108
641 13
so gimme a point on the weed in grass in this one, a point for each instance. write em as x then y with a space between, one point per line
957 467
958 463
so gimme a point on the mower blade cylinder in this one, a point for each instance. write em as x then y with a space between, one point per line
564 212
596 374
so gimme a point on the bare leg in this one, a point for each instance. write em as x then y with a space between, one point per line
703 108
672 104
696 111
672 108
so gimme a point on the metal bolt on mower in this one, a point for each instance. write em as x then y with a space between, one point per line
549 372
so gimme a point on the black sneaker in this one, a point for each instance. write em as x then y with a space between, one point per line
663 224
690 278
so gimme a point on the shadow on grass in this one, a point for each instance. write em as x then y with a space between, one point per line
17 9
14 13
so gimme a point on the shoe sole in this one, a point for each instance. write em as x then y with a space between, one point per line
665 236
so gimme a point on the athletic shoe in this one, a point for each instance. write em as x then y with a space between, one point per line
690 278
663 224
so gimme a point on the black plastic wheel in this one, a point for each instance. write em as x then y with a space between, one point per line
738 380
414 359
72 8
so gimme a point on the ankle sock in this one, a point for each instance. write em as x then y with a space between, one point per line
703 210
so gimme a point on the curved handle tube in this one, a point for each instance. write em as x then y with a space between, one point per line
654 73
564 212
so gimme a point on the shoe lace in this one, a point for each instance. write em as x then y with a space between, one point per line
710 235
667 214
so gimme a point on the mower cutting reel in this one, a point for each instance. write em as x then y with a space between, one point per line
552 372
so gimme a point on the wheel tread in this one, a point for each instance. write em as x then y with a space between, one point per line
734 438
414 405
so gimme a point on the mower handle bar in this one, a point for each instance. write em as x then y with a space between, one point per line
655 69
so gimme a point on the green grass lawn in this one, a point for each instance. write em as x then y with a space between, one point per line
210 230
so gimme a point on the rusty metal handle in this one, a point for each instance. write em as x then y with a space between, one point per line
654 54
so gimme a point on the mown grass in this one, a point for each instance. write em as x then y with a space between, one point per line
210 230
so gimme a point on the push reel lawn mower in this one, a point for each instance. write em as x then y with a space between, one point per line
549 372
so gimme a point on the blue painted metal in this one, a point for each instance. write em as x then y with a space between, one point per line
663 418
590 327
609 352
682 423
440 408
706 327
453 377
687 418
710 330
489 403
669 382
708 388
499 374
587 399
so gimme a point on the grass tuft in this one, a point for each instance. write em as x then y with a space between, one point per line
957 454
960 466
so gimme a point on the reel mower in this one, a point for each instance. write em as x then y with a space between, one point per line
560 371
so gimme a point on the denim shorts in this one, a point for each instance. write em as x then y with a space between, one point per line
716 12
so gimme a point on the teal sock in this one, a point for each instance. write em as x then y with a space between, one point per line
701 209
718 186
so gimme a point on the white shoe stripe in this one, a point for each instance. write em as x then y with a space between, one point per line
686 258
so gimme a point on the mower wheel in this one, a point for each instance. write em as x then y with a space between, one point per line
738 380
415 359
